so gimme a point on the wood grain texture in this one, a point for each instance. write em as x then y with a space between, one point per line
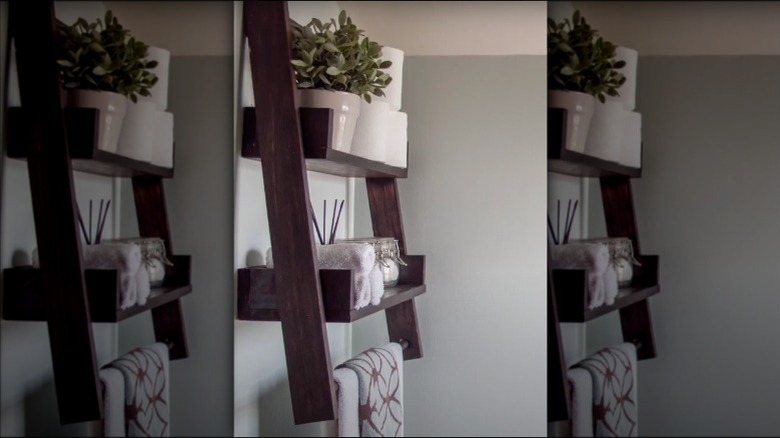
558 398
32 27
151 212
287 199
621 222
386 219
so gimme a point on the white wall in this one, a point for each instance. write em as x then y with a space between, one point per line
261 391
27 397
473 204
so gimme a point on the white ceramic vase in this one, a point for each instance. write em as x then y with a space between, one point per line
112 108
396 71
160 89
627 91
632 140
605 136
579 111
397 146
162 150
137 136
371 131
346 109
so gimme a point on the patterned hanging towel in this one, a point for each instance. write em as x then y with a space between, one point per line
380 384
614 375
145 372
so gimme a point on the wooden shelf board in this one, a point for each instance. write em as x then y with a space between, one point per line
25 300
320 157
81 126
257 299
626 297
568 162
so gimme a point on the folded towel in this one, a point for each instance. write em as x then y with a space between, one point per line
610 284
360 258
124 257
593 258
142 285
581 402
380 384
613 374
145 372
347 420
113 384
377 281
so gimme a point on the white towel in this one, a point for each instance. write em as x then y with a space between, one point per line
359 257
380 385
142 285
610 285
613 373
377 283
593 258
145 373
113 384
581 402
347 394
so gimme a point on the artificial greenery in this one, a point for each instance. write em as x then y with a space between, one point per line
337 56
578 59
102 56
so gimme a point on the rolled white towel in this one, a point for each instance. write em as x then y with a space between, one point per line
142 285
593 258
610 285
123 257
361 290
377 282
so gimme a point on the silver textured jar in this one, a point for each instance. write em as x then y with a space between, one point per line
388 256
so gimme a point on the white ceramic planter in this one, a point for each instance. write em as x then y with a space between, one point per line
632 140
579 111
605 136
397 147
346 109
162 151
160 89
137 136
371 131
396 71
627 91
112 107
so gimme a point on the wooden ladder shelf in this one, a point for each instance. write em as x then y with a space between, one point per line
295 292
62 293
567 288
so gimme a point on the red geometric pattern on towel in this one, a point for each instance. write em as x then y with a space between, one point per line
614 391
146 393
380 410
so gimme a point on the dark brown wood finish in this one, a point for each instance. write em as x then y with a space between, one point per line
150 210
385 207
24 297
296 277
258 301
567 162
320 156
82 125
621 222
558 398
32 28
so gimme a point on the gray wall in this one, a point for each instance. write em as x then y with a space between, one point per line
474 204
709 204
200 211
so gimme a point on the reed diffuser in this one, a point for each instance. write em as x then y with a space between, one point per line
330 238
555 234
